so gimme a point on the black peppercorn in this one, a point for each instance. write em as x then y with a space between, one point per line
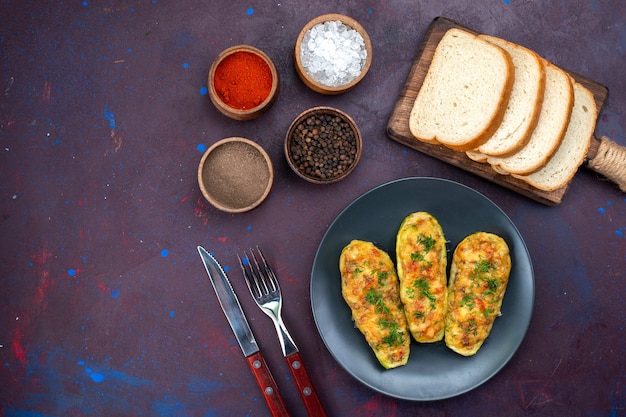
323 146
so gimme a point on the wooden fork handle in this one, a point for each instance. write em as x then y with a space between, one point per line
305 387
268 386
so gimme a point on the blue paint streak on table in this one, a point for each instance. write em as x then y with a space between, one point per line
105 308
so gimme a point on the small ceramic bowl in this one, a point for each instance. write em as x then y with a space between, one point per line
226 99
302 71
235 175
323 145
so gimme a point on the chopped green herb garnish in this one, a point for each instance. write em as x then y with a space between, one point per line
377 300
427 241
419 315
421 284
417 256
471 327
395 336
410 293
492 286
382 277
482 267
467 300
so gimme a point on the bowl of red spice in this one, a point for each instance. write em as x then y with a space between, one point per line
235 174
323 145
333 53
243 82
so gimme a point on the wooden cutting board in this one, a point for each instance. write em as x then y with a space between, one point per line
398 125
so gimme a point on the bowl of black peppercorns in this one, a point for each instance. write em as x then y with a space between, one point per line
323 145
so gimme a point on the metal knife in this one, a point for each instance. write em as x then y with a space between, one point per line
237 320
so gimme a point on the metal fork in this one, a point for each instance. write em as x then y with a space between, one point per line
265 290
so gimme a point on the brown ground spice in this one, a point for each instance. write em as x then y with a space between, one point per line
236 174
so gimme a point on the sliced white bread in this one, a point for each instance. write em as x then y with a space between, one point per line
556 109
524 106
561 168
464 94
476 156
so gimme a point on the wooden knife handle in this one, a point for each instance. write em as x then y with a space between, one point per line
305 387
609 159
267 384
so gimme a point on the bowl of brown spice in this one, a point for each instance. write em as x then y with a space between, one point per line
243 82
333 52
323 145
235 174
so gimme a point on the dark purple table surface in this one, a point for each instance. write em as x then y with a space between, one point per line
105 308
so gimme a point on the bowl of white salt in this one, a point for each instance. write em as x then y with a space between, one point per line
333 53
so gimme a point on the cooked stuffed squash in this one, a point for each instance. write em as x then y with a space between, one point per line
369 285
421 262
479 274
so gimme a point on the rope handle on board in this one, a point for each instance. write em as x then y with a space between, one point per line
610 161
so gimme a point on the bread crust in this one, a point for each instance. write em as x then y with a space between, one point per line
564 163
432 89
527 160
509 139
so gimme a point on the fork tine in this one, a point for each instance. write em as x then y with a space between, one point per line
246 276
269 271
257 275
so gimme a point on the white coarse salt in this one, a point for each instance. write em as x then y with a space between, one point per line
332 53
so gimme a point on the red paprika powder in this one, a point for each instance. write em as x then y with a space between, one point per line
243 80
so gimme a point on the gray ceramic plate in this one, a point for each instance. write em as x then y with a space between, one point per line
433 372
